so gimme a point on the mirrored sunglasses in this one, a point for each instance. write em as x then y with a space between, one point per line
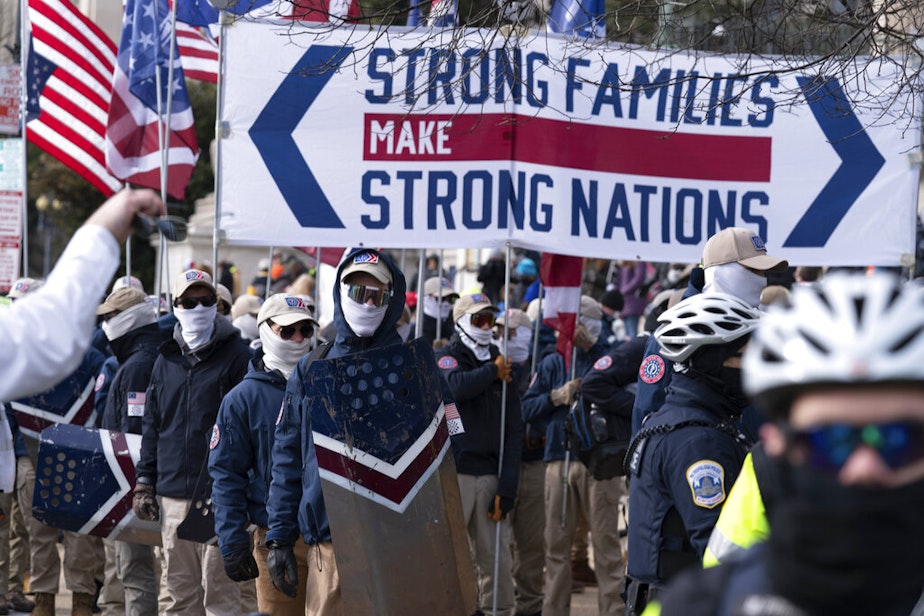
483 318
362 294
828 448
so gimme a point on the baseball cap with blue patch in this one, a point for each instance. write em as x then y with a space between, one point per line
370 263
743 246
24 286
472 304
285 310
190 278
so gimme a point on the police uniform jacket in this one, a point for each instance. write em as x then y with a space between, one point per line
537 406
478 396
689 470
295 502
136 353
182 402
611 382
240 454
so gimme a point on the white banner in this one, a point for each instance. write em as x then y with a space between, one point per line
426 139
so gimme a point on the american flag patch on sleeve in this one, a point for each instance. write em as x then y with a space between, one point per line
453 420
136 401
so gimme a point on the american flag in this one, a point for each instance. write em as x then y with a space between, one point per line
585 18
132 146
442 13
198 53
68 78
561 278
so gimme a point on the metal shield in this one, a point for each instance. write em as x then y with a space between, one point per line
381 436
84 482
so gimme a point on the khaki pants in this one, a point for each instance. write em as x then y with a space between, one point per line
599 500
322 595
14 545
195 574
478 493
269 599
527 523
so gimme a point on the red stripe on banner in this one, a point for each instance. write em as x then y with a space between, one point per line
560 270
32 422
394 490
631 151
114 516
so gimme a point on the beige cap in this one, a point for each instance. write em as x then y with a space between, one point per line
370 263
23 286
534 309
590 308
126 281
517 318
472 304
190 278
285 310
439 287
121 300
737 245
224 295
245 304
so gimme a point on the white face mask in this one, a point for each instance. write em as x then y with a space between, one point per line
363 319
247 325
432 307
518 347
279 354
196 324
737 280
477 339
594 326
131 318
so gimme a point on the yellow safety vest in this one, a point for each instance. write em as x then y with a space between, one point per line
743 521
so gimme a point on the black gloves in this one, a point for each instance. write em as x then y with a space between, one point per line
501 506
144 503
282 567
241 566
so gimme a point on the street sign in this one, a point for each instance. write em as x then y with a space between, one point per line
429 139
10 89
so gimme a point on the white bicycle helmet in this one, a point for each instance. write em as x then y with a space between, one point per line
704 319
847 329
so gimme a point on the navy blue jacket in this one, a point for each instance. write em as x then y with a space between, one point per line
296 503
611 382
182 402
537 407
135 353
689 469
478 396
240 460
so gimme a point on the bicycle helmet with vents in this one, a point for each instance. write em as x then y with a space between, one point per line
848 329
704 319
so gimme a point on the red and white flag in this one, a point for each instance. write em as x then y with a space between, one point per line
198 53
68 81
561 280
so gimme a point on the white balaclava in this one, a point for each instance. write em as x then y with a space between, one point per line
477 339
735 279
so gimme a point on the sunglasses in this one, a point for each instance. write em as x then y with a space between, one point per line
361 294
827 448
287 332
481 319
188 303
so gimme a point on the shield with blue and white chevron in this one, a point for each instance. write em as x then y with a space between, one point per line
84 480
381 432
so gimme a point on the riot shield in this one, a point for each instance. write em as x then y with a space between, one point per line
84 482
389 481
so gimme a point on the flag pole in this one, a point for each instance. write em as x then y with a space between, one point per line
219 134
23 101
418 312
266 292
503 427
439 296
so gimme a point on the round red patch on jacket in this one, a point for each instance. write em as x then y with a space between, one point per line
603 363
216 435
447 362
652 369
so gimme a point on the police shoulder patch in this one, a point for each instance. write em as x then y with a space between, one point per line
447 362
603 363
652 369
707 483
216 436
100 380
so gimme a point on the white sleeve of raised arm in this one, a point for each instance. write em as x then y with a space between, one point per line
46 333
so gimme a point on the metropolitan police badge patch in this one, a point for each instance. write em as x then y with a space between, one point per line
603 363
707 483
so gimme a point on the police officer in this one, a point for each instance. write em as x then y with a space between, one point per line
841 373
241 445
688 454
